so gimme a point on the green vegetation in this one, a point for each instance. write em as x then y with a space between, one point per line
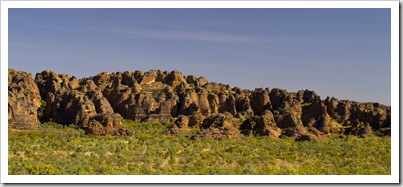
211 93
191 85
41 110
55 149
153 87
305 107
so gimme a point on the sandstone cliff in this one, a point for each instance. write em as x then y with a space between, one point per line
98 103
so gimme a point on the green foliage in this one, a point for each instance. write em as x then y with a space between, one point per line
305 107
211 93
41 110
337 124
191 85
59 150
153 86
306 104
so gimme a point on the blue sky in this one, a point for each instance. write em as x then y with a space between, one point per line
343 53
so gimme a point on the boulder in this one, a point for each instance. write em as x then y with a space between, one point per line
287 120
203 102
73 83
220 126
101 80
315 115
243 107
88 85
182 121
342 111
191 79
278 97
331 105
161 75
201 81
226 103
174 78
215 87
266 125
247 127
196 120
213 103
260 101
128 79
106 124
149 77
181 89
118 98
294 131
101 103
189 103
138 75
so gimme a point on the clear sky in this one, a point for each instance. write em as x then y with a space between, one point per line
343 53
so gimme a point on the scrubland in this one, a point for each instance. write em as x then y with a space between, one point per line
58 150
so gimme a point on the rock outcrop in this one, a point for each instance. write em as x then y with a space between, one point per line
81 103
23 100
97 104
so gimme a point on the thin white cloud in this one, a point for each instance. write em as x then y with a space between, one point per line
190 35
210 36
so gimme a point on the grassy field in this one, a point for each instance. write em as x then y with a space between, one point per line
61 151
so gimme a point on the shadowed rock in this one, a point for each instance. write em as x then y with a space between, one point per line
85 106
98 103
220 126
260 101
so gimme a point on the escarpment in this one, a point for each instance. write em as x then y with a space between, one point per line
98 103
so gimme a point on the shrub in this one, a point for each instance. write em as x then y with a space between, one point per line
54 149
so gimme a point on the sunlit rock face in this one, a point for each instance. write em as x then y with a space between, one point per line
98 103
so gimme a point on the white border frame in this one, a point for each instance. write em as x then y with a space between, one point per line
395 82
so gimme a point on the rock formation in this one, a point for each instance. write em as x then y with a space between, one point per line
81 103
23 100
98 103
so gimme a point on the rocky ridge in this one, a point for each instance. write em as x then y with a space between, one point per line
98 103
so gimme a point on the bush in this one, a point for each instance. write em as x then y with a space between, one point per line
54 149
